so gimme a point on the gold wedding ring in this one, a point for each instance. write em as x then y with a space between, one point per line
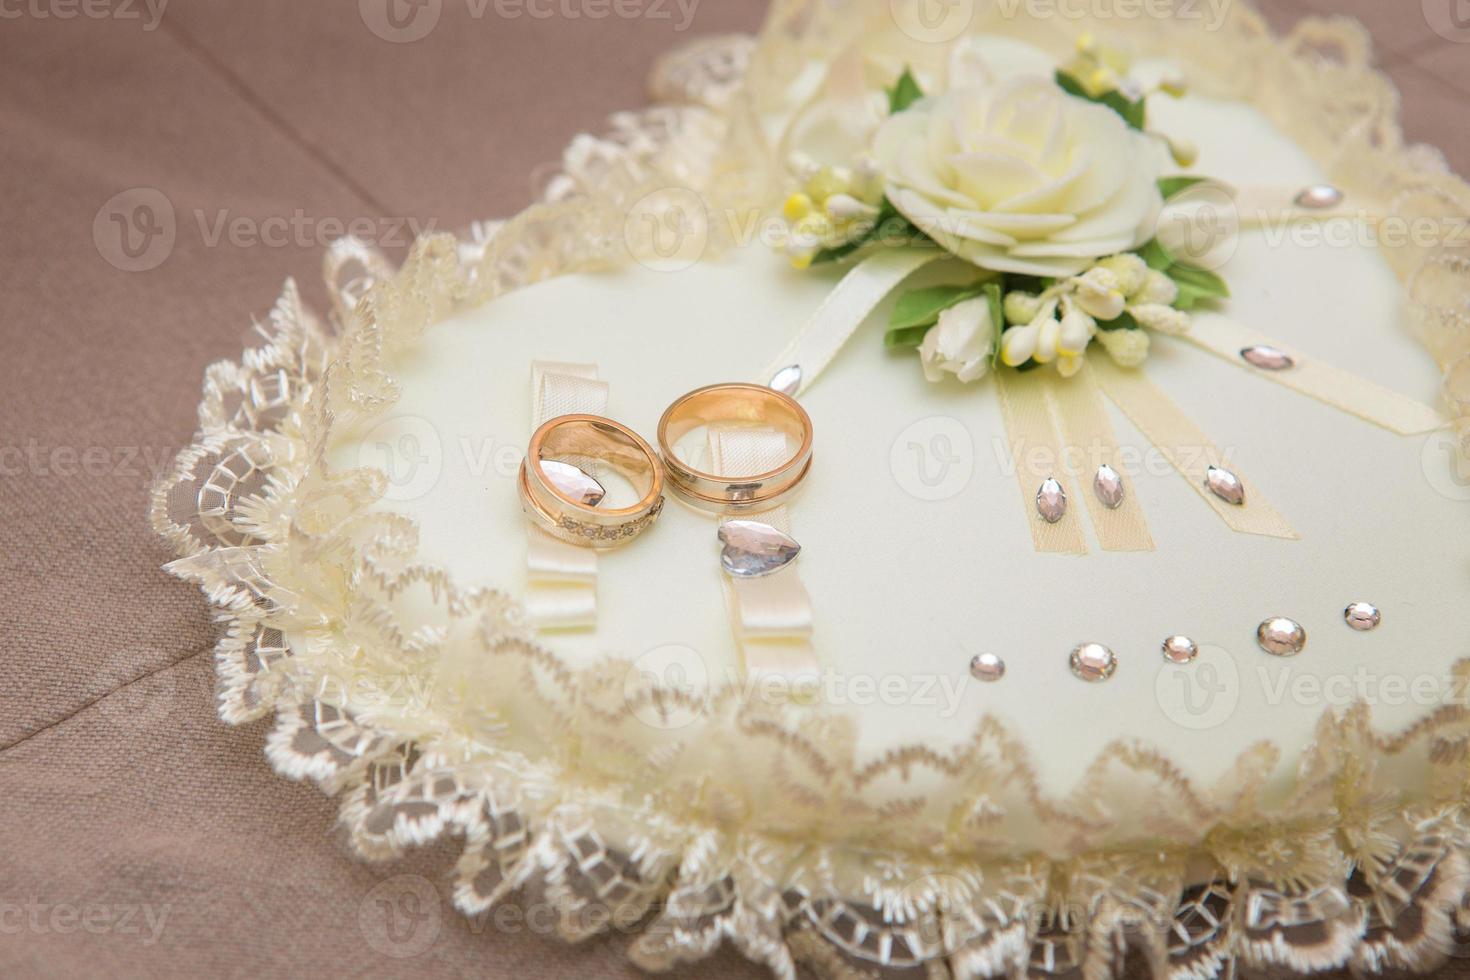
735 404
590 440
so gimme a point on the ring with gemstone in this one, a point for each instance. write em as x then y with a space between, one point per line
735 404
559 496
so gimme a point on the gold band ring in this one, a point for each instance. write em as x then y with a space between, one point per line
549 502
737 404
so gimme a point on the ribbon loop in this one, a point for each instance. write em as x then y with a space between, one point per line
770 616
561 578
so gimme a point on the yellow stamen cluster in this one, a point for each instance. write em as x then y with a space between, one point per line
831 207
1100 69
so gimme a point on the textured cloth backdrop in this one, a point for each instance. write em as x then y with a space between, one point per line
139 836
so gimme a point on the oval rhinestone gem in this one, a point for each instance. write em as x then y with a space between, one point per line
1108 486
787 380
1362 616
987 667
1319 197
753 549
1179 649
1051 501
573 482
1093 662
1225 485
1281 637
1267 358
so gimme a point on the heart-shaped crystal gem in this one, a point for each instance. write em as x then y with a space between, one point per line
753 549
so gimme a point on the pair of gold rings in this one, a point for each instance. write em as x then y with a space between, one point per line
561 497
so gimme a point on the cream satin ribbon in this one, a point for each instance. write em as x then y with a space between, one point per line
561 589
844 310
771 616
1258 206
1036 451
1187 448
1332 386
1082 417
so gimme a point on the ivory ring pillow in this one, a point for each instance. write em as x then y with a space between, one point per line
350 505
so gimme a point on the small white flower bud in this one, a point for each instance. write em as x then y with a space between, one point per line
1021 307
1127 348
1075 333
1047 339
845 207
1164 319
1099 294
1130 270
1018 344
1157 288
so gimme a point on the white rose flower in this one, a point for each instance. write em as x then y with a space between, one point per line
1022 177
960 343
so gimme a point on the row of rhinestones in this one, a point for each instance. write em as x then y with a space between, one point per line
598 532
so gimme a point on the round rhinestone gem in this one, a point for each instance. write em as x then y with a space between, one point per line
1281 637
1362 616
1319 197
1093 662
1179 649
987 667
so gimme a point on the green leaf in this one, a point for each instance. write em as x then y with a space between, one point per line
993 292
1157 256
1134 113
905 92
1174 186
906 336
921 307
1196 286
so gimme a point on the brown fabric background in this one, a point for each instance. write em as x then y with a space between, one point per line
121 794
